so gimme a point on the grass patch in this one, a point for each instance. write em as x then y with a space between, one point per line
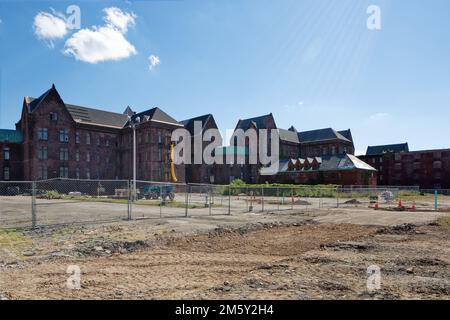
156 203
444 221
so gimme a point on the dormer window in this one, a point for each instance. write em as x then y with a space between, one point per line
53 116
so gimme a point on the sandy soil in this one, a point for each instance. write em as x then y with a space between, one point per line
292 256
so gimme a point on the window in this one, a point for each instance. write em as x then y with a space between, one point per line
6 153
64 135
42 134
63 172
159 137
381 160
77 155
77 173
88 173
77 137
98 141
42 173
108 143
147 137
53 116
88 138
333 150
88 156
6 173
437 165
42 153
64 154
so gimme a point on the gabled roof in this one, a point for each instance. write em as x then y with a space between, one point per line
320 135
347 134
33 103
326 163
390 148
288 135
96 116
258 122
156 114
189 123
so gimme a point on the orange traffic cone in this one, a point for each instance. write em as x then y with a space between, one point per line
413 207
400 205
376 206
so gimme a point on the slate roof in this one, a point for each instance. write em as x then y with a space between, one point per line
156 114
321 135
189 123
391 148
347 134
96 116
288 135
104 118
259 122
326 163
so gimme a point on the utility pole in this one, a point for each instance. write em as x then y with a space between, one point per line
134 124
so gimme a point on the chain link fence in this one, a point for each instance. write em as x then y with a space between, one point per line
67 201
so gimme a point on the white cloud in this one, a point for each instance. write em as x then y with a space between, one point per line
49 27
116 18
154 61
294 107
97 44
379 116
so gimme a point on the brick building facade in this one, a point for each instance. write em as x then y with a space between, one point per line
397 166
68 141
54 139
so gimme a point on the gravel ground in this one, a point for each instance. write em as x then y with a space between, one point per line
266 256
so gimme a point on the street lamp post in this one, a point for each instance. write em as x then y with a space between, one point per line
133 126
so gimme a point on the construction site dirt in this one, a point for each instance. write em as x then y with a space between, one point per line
287 255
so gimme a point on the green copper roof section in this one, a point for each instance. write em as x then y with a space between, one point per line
12 136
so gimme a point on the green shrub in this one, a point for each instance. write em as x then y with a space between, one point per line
52 194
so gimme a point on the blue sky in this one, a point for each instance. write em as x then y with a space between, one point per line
313 64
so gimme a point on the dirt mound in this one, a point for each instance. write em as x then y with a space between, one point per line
349 245
405 228
303 202
352 201
107 247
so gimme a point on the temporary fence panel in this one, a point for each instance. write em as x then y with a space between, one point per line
63 201
16 204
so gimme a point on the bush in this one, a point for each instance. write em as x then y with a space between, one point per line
52 194
281 190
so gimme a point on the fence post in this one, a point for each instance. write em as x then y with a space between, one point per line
229 200
262 199
435 200
292 198
186 200
130 208
209 204
337 197
33 205
161 202
278 198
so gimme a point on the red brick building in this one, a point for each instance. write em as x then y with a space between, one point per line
397 166
200 173
69 141
11 155
323 156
